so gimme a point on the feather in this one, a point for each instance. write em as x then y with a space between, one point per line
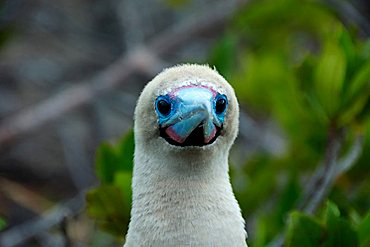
186 121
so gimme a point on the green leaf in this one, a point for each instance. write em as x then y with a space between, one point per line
111 159
339 231
357 96
364 229
304 231
365 49
357 112
349 50
123 181
363 117
332 211
106 163
110 203
360 83
366 243
341 234
288 198
2 224
261 232
107 205
126 148
329 77
223 56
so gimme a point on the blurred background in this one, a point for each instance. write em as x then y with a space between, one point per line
70 74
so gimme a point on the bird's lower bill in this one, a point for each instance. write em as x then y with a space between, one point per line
196 138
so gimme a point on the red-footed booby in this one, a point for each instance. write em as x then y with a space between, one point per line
186 120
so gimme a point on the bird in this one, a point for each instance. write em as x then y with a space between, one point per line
185 122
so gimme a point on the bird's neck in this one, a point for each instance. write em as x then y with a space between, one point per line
183 201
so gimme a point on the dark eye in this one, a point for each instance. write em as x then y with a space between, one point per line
221 104
163 107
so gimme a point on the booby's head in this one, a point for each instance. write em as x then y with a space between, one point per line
187 107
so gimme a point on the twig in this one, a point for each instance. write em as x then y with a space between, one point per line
55 106
64 230
76 159
330 163
23 195
328 172
22 232
141 59
350 14
354 153
343 165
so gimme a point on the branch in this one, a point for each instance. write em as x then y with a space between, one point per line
354 153
322 180
341 167
139 60
350 14
52 108
330 165
55 216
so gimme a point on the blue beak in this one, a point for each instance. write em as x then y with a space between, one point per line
189 115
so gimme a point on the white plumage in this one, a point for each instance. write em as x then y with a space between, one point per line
182 194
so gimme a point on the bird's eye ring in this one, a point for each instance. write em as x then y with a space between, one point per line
221 104
163 106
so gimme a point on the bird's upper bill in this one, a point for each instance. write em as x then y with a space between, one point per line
191 115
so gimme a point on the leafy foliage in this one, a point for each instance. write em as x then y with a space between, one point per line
304 231
2 223
110 203
111 159
334 230
295 62
364 230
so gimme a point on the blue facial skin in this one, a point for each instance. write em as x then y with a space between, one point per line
181 113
